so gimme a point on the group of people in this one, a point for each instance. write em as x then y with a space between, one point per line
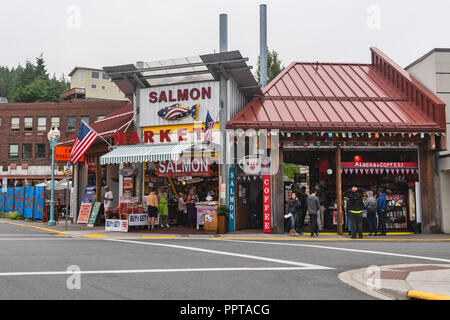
157 205
300 205
373 206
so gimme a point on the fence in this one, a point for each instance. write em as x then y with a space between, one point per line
28 201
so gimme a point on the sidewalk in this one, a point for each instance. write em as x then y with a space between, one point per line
402 282
81 230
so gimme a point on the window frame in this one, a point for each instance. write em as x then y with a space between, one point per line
12 127
97 73
40 127
74 123
26 155
9 151
38 154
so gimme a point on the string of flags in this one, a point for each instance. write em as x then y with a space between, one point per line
380 171
375 135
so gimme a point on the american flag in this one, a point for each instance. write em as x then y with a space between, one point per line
86 137
209 127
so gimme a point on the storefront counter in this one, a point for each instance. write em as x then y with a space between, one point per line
203 209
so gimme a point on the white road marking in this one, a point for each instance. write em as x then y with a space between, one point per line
348 250
239 255
56 273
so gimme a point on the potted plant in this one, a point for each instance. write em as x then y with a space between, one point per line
223 213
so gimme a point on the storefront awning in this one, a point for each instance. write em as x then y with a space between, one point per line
144 153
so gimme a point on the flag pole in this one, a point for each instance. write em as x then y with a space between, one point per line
97 133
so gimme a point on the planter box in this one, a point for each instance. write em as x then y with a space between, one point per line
223 224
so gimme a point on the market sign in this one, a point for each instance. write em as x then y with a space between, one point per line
185 167
180 103
380 167
62 154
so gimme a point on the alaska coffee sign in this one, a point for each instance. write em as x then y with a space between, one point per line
178 104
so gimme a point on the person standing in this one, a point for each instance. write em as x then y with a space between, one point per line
371 206
303 208
152 208
163 209
108 199
321 213
191 208
293 207
356 207
313 210
181 209
381 210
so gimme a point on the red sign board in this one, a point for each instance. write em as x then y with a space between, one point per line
85 212
62 154
266 204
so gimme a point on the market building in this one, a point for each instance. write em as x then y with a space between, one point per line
371 125
173 100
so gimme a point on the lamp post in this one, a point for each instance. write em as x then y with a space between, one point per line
53 137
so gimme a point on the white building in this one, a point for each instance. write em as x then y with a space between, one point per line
433 71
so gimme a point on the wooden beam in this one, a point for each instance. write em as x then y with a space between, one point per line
339 189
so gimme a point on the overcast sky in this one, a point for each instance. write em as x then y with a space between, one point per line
98 33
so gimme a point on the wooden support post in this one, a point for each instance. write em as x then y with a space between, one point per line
339 189
98 179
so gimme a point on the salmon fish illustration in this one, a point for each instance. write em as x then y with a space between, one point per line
178 112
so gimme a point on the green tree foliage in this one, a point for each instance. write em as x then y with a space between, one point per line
31 83
274 66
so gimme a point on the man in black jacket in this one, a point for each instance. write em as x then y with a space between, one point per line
356 207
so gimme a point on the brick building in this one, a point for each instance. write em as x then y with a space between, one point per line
24 147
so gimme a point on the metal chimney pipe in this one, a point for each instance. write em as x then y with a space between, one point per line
263 45
223 33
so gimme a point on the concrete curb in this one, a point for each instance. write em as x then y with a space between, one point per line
422 295
36 228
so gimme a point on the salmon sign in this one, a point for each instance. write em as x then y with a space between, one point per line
185 167
178 103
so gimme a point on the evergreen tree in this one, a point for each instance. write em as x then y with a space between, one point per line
274 66
31 83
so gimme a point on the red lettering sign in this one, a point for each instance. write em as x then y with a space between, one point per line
180 95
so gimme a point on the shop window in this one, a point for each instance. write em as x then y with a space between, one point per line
40 150
13 151
95 75
27 151
15 124
42 124
71 123
54 122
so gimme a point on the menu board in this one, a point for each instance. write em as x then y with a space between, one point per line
85 212
94 214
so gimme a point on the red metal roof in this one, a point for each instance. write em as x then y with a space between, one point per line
342 96
113 122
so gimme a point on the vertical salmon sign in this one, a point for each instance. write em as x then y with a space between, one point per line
266 203
232 199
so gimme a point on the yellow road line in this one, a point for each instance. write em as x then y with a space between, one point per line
416 294
158 237
95 236
36 228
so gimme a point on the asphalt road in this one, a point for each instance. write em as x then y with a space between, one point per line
38 265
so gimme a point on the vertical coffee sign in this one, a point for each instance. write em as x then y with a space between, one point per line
266 203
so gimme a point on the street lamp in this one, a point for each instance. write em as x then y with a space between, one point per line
53 137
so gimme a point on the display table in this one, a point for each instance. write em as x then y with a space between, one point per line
204 209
